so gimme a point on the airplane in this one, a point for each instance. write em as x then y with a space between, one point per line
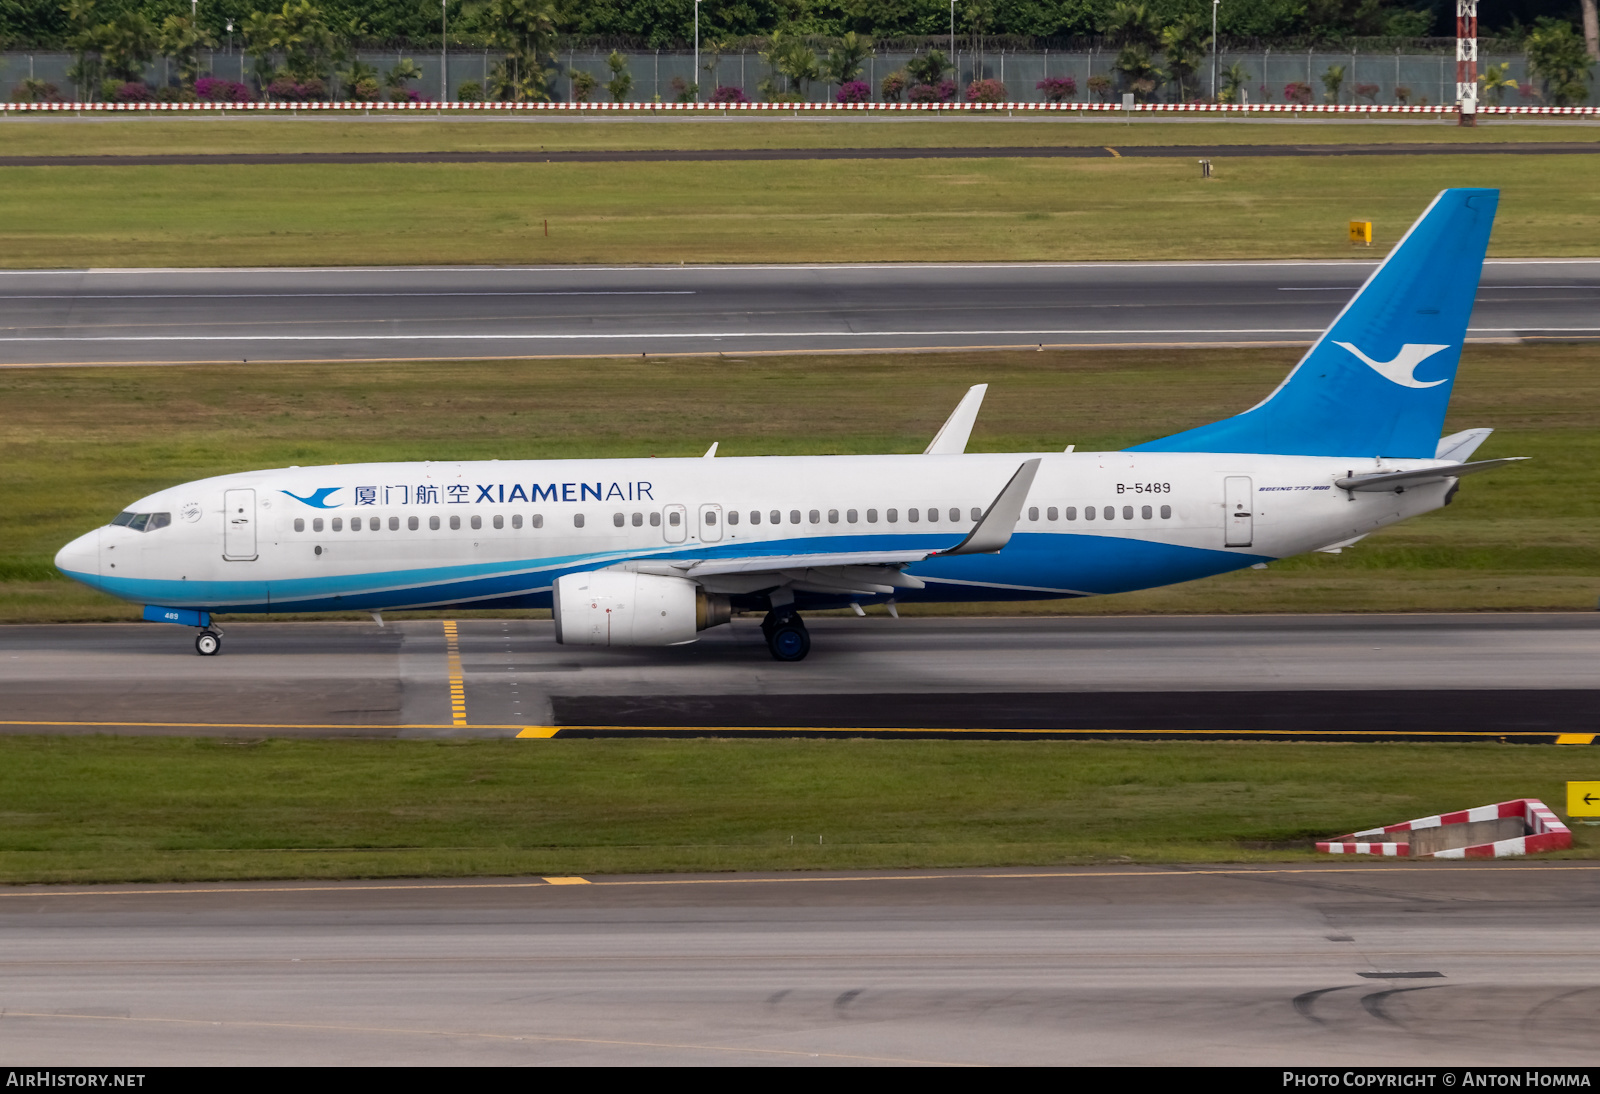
649 552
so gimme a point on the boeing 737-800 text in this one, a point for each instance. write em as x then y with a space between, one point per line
642 552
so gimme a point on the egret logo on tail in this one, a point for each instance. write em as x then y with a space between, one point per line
1400 370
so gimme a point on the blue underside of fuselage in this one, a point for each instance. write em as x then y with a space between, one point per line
1033 566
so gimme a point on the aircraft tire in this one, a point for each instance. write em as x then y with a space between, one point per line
207 643
789 641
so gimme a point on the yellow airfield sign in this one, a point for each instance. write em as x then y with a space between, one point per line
1583 799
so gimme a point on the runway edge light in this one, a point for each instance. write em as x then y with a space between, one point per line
1583 800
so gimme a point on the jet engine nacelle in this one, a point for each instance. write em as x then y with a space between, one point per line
619 608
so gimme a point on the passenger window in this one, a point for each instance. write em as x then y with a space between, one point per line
1088 512
1051 513
477 522
1127 512
160 520
577 520
618 519
337 523
394 524
955 514
655 520
499 521
794 516
299 524
455 523
1146 512
755 516
872 516
316 524
911 515
1071 512
977 514
355 524
833 516
674 518
850 515
411 523
1033 512
433 524
1166 512
516 520
638 520
1110 512
815 517
537 520
711 517
892 515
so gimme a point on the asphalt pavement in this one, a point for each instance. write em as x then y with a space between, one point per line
1527 678
1330 964
326 314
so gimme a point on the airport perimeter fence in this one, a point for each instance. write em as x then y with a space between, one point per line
1369 78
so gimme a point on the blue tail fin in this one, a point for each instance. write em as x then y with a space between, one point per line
1378 380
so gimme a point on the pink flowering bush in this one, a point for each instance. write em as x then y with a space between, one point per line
287 90
929 93
1297 92
726 94
213 90
1057 88
134 93
855 91
986 91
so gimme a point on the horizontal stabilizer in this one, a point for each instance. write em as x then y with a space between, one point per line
1461 446
1399 480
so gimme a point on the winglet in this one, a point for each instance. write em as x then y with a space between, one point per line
1000 520
951 440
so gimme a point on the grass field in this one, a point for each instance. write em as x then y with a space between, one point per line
125 809
79 445
814 210
155 135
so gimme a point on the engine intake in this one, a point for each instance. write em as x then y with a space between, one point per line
620 608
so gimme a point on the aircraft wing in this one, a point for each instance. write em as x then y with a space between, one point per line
867 573
1399 480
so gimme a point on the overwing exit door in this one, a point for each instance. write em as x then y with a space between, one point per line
1239 511
239 525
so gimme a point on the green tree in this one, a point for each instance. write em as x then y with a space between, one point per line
127 44
526 30
583 85
621 82
87 67
1133 25
1333 80
1138 71
1558 57
1494 80
846 58
182 40
1185 43
1234 79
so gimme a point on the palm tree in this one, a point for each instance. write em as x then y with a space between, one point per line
845 59
621 82
1333 80
1234 78
1185 43
182 40
1495 80
1133 25
526 30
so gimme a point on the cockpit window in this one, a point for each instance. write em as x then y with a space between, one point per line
142 522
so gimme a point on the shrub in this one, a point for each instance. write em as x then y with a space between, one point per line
583 87
287 90
893 86
1369 92
35 91
683 91
1402 94
133 93
366 90
212 90
930 93
986 91
727 94
1058 88
1101 86
469 92
855 91
406 95
1297 92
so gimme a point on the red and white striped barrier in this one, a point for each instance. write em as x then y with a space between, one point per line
792 108
1545 833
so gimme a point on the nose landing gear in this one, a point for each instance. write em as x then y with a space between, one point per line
787 637
208 642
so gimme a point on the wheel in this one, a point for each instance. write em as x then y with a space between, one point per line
789 641
207 643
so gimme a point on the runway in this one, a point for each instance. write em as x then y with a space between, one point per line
1526 678
265 315
1446 964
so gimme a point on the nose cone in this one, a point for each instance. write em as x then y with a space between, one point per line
80 559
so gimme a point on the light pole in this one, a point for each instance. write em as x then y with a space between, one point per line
444 45
696 50
1214 6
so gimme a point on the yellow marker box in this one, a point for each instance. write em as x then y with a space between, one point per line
1361 232
1583 799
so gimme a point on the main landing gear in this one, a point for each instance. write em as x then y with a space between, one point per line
208 642
787 637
